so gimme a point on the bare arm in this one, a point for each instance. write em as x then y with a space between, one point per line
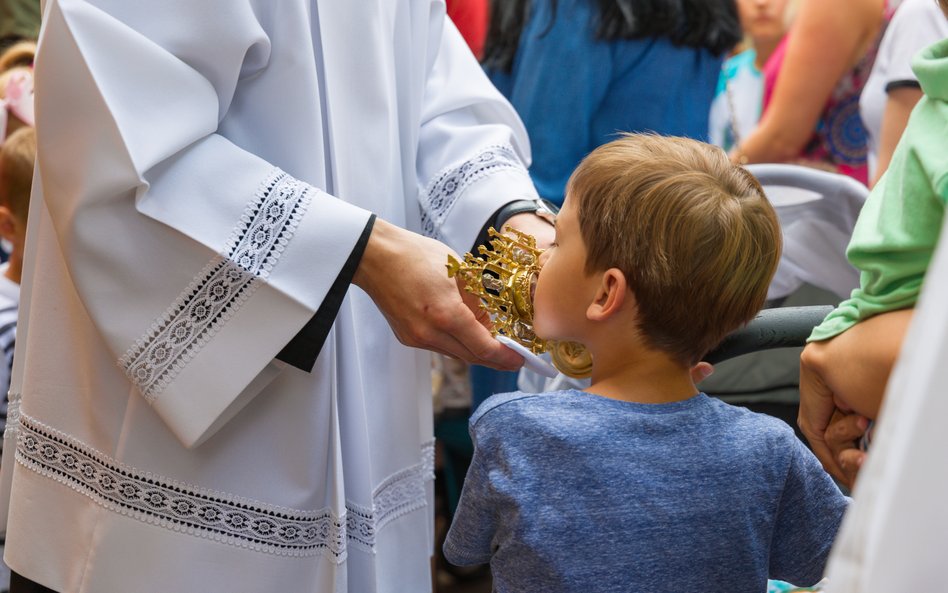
848 373
898 107
826 40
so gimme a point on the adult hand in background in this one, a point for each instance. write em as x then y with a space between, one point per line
817 406
405 275
847 373
842 437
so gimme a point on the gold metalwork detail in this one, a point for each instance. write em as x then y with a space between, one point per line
573 357
503 277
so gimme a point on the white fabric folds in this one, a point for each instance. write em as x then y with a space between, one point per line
205 170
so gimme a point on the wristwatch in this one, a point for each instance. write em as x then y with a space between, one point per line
545 209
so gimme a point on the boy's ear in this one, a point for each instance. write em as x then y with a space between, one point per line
7 224
610 295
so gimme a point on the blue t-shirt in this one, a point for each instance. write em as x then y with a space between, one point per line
575 92
570 491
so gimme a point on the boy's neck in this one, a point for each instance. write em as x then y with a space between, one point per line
641 375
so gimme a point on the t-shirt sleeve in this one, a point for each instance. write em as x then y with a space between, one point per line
898 227
808 517
470 539
915 25
473 149
191 254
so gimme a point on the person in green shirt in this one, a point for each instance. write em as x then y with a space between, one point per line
845 367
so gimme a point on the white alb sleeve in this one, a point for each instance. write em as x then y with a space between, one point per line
194 257
473 149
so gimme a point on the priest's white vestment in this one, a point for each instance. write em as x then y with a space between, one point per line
206 170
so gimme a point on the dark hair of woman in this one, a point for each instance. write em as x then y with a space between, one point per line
710 24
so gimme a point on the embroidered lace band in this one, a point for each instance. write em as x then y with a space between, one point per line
215 515
255 246
448 186
400 493
13 415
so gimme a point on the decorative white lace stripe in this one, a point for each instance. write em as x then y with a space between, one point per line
255 246
216 515
13 415
448 185
397 495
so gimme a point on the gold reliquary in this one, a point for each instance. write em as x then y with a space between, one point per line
503 277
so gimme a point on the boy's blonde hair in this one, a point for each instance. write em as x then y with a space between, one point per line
695 236
17 156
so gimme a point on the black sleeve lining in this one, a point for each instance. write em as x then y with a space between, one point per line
505 212
302 351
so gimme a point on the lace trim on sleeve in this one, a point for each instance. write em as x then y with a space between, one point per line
450 184
255 246
215 515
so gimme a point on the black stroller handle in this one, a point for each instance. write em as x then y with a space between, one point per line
781 327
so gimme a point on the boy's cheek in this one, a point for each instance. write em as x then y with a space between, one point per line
542 322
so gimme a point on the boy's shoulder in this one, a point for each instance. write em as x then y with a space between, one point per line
758 443
504 404
754 426
527 413
568 411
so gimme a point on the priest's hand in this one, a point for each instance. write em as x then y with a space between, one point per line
405 275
